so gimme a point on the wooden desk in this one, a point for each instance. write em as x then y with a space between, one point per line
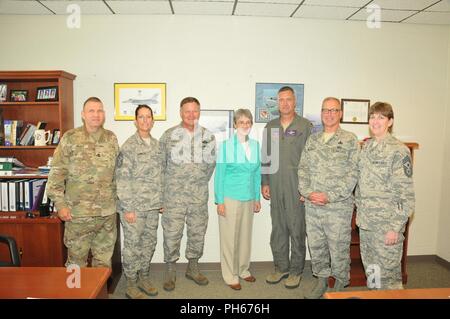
50 282
432 293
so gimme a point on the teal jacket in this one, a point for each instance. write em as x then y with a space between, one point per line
237 177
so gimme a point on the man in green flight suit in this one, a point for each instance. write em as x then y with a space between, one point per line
282 146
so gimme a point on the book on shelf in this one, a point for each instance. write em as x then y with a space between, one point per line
38 194
2 127
24 194
12 195
7 129
22 134
16 129
8 165
28 137
4 203
11 159
12 129
41 125
15 132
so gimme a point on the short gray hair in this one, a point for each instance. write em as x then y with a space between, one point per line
331 98
242 112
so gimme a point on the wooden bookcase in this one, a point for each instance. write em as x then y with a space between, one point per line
357 273
57 114
39 239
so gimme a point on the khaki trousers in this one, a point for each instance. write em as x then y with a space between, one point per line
236 240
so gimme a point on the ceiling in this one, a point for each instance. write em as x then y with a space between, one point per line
396 11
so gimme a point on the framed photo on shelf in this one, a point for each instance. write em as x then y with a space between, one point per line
128 96
219 122
355 111
18 95
56 135
48 93
3 92
266 100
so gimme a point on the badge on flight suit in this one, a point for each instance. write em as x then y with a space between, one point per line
291 133
407 166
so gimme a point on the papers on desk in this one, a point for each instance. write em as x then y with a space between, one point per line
44 169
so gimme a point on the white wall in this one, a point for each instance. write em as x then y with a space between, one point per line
443 248
219 59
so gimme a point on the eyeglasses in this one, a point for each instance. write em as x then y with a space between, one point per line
332 111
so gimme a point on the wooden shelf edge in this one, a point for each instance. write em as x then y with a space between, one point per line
24 177
412 145
31 147
36 220
36 75
31 103
20 215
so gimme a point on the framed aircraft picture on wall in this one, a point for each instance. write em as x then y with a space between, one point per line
219 122
266 102
128 96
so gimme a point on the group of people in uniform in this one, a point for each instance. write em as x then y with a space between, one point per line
311 180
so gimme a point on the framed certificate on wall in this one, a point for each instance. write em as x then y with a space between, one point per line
355 111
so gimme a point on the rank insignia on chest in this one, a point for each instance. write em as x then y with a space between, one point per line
119 160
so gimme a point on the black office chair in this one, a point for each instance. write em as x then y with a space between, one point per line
13 252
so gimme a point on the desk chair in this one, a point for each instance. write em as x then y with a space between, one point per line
13 252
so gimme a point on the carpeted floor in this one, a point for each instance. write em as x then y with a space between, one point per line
421 274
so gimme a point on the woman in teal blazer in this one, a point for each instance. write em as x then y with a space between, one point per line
237 185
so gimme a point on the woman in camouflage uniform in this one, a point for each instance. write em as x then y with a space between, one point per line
139 185
385 200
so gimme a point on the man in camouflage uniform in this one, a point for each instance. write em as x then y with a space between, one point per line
81 185
189 151
139 189
385 200
327 176
280 184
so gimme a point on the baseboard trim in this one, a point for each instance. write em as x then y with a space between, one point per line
215 266
443 262
419 258
430 258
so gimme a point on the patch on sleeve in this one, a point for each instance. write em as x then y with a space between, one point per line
119 160
407 166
